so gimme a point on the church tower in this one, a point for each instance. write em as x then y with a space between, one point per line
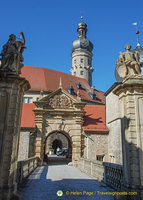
82 54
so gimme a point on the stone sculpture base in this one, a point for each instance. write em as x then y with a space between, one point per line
130 93
12 88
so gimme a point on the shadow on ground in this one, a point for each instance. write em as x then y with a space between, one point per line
45 181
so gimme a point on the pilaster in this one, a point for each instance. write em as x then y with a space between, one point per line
39 143
130 94
12 88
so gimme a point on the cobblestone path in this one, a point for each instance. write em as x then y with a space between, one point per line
45 181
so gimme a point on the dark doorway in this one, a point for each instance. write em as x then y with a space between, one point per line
56 144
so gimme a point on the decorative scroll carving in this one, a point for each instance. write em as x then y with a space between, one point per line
60 102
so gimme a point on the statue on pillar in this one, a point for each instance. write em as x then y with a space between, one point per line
11 61
128 63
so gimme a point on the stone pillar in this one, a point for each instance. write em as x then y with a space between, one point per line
39 143
76 141
130 94
76 149
12 88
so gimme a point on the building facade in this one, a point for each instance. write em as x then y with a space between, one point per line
65 111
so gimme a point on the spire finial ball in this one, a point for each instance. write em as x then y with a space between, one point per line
81 17
137 32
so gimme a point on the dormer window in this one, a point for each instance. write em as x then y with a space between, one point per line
71 90
93 95
78 85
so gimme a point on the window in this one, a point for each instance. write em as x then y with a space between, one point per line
81 60
74 73
100 157
89 62
74 61
71 90
81 73
37 99
27 100
80 66
78 85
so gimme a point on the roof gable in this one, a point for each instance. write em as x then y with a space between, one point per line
58 99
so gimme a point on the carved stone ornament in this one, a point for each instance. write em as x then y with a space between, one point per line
128 63
11 61
60 102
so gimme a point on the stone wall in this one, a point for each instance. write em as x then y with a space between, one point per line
96 144
113 121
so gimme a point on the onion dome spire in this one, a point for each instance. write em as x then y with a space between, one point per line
82 29
82 42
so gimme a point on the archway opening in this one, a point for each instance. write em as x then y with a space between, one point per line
57 144
58 147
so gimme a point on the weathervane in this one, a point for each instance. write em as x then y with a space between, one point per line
137 32
138 42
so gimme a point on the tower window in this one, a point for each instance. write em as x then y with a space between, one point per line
89 62
81 60
74 73
80 66
75 61
81 72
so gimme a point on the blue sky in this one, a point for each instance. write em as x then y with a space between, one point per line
50 26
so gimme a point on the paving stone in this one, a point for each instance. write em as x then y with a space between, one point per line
45 181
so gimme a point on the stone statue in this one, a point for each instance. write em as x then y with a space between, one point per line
128 63
12 55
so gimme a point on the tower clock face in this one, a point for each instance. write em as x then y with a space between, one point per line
84 42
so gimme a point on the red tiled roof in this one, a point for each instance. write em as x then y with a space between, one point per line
28 116
48 80
94 119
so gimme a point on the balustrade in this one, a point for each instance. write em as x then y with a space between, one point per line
113 175
25 167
